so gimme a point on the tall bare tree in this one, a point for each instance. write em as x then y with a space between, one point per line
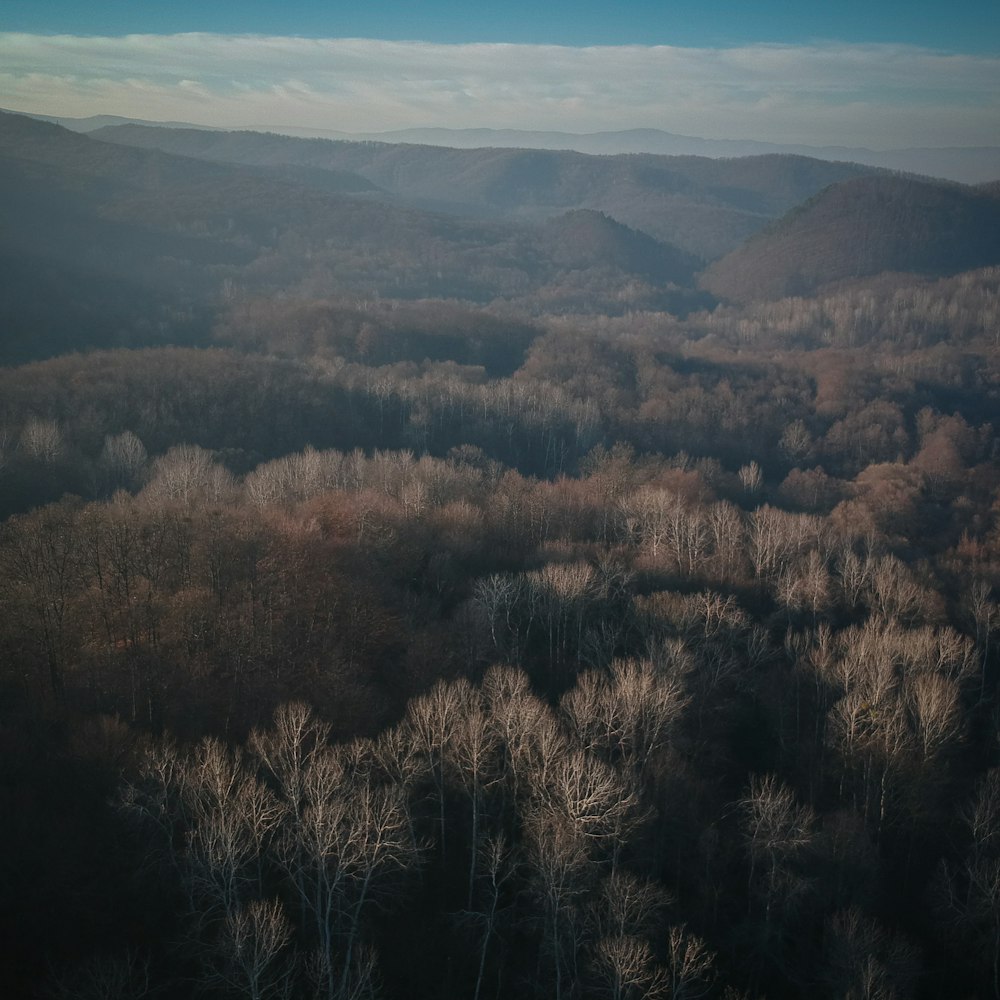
248 957
778 833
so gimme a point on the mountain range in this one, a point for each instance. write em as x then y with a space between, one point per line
703 206
132 234
103 244
966 164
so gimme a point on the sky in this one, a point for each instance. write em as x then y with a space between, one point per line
879 73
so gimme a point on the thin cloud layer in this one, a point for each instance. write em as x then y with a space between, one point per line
826 93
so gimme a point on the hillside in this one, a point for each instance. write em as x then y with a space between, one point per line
583 238
864 227
106 245
706 207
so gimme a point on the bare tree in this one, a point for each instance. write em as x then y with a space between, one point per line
530 739
599 804
778 833
966 893
123 458
248 956
870 729
726 535
399 763
624 968
855 574
42 439
333 979
377 856
690 970
796 442
112 977
806 586
751 478
864 961
626 716
230 816
348 853
936 713
433 722
627 905
776 536
288 748
311 850
668 526
897 594
477 767
499 595
495 868
187 473
984 614
559 868
40 577
563 592
900 711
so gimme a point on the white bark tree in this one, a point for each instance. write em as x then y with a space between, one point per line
778 833
248 957
628 716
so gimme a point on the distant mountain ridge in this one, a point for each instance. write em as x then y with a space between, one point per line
966 164
706 207
148 236
93 122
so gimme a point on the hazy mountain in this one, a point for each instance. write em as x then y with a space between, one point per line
107 244
93 122
706 207
863 227
970 165
967 164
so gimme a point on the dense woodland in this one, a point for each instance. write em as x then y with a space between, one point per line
594 638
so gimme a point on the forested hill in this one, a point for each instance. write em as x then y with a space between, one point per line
706 207
583 238
860 228
105 245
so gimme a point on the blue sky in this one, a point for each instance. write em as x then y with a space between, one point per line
965 26
879 73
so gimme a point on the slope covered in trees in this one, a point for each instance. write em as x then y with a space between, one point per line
705 207
164 240
630 660
860 228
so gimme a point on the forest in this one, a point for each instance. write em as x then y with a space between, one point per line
405 602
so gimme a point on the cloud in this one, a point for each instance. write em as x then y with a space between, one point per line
823 93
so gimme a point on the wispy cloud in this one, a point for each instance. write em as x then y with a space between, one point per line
824 93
